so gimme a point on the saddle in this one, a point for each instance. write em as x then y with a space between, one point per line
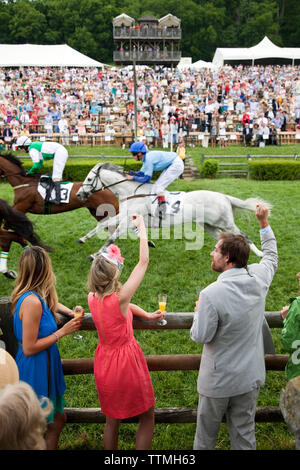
50 185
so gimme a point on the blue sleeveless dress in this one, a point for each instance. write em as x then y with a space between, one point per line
43 371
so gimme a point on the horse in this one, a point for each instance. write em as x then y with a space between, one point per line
22 232
28 199
212 210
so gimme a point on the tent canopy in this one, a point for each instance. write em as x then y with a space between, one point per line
201 64
34 55
169 20
265 49
123 20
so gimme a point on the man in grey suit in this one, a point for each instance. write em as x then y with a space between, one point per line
228 320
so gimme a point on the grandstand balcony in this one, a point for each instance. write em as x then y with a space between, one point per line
147 57
146 33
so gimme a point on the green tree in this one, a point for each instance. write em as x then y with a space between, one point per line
86 25
27 24
84 41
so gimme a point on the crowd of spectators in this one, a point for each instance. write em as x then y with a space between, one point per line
256 102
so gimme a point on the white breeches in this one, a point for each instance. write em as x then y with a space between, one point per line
59 161
165 140
168 176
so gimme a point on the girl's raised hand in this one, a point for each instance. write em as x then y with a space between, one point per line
138 221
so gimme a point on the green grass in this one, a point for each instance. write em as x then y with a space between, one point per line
180 272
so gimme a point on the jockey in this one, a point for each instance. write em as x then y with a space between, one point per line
169 163
40 151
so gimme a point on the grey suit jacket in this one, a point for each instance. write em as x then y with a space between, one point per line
229 323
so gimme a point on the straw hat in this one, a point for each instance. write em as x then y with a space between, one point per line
9 372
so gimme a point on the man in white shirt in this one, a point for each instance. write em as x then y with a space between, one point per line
64 129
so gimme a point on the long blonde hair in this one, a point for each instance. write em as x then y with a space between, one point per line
103 277
35 274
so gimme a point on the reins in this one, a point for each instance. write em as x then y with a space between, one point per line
113 184
26 185
97 175
137 195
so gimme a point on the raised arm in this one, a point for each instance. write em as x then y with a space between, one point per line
128 289
269 262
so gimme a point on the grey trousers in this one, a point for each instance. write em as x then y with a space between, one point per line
240 417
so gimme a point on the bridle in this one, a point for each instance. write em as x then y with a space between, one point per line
98 177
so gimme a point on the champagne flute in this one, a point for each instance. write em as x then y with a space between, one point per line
77 313
162 302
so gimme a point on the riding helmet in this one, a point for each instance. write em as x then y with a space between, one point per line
138 147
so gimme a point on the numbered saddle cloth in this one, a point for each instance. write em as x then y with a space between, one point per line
65 190
174 203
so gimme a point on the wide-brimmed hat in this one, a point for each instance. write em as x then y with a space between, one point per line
9 372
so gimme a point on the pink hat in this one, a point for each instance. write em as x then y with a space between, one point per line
112 253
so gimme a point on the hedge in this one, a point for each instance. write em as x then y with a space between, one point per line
274 170
209 169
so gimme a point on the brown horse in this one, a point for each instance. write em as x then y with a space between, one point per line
28 199
22 231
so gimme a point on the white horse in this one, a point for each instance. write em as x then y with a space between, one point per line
214 211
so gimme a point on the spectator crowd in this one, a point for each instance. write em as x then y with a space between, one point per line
256 102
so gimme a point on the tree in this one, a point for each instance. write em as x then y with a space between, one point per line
27 24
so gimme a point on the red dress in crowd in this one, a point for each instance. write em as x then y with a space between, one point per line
121 373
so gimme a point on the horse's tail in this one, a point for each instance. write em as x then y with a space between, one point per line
248 204
20 224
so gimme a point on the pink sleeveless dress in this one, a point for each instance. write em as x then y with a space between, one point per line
121 373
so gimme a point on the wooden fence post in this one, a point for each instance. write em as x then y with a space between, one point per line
6 326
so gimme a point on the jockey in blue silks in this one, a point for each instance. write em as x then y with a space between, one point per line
169 163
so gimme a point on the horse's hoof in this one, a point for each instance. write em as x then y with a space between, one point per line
10 274
151 244
80 240
91 258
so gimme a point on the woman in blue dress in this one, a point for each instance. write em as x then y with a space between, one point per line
35 302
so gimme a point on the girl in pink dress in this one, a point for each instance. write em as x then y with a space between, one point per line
121 373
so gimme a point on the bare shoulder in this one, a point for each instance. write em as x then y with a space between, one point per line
32 300
32 306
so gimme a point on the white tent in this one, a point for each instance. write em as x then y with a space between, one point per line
169 20
201 64
184 63
263 50
123 19
137 67
34 55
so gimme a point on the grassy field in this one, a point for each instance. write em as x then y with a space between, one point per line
180 272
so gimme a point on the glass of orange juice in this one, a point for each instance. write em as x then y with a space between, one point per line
77 313
162 303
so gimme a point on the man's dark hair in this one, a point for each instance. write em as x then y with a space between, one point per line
236 247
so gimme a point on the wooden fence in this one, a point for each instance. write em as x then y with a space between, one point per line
234 168
176 321
193 139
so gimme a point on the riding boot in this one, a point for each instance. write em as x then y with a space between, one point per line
162 207
48 193
57 192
